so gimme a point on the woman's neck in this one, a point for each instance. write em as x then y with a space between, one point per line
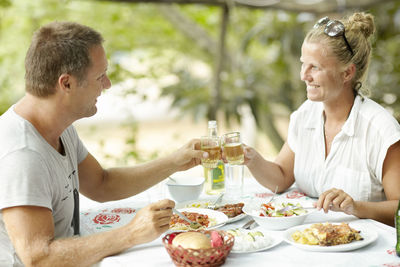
339 111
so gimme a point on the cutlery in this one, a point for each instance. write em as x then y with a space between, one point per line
193 225
273 196
214 205
250 225
172 179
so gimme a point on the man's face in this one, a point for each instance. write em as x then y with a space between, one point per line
96 81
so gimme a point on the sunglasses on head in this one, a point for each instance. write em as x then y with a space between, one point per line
334 28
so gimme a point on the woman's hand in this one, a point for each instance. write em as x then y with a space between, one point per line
250 155
336 200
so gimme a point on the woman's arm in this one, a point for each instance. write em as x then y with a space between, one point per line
271 174
384 211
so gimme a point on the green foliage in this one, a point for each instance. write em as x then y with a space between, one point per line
384 78
5 3
261 67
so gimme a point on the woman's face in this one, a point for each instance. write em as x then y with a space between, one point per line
322 73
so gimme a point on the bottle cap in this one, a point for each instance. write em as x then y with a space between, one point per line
212 124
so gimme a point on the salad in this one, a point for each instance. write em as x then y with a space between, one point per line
281 210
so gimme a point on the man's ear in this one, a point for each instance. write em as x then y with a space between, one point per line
349 72
64 82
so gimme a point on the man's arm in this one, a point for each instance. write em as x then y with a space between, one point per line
31 230
117 183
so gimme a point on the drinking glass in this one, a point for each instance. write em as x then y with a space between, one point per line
212 146
233 148
234 181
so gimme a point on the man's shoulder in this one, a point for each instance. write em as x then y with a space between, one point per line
17 134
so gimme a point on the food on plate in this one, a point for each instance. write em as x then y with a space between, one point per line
177 223
248 240
327 234
231 210
280 210
198 240
198 204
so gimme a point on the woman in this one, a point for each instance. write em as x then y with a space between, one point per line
342 147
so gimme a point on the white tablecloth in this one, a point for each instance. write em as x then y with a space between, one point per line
379 253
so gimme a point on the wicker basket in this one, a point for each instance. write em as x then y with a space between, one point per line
200 257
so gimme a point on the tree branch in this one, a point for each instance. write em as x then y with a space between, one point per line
189 28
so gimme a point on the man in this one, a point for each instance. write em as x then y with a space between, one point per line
43 162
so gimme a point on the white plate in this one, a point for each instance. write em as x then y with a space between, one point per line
236 218
368 233
203 205
219 217
276 239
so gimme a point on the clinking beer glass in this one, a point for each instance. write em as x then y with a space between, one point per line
212 146
233 148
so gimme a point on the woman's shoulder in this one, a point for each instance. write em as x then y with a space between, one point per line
308 115
371 109
377 116
308 108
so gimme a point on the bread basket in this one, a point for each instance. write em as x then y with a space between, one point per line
199 257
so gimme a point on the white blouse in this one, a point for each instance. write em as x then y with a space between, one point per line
355 161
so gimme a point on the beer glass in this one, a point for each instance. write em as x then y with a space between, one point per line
233 148
212 146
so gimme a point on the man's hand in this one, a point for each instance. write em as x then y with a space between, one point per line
188 155
151 221
336 200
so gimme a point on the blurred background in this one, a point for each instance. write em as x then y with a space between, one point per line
176 64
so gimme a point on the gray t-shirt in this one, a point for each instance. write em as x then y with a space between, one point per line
33 173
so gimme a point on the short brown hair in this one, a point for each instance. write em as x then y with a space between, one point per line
359 27
57 48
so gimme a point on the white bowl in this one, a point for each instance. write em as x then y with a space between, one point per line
185 188
273 223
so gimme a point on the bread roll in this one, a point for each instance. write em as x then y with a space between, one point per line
193 240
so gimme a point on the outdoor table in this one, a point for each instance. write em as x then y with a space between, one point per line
114 214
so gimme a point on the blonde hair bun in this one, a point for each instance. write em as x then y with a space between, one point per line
362 22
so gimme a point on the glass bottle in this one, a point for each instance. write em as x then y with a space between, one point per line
215 178
397 223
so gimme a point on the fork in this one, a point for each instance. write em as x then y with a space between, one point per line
250 225
172 179
273 196
193 225
214 205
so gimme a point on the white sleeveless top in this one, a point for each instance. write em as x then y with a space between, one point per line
355 161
